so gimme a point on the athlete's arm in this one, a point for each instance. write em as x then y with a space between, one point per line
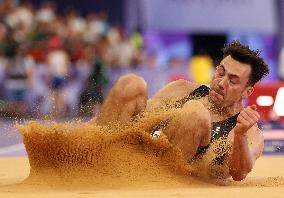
247 144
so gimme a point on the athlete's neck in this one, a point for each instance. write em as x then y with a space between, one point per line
225 111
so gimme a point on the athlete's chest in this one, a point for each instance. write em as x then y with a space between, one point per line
215 117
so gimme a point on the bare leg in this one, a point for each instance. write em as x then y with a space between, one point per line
190 128
127 98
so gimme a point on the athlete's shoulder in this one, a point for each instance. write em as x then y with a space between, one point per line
172 91
183 84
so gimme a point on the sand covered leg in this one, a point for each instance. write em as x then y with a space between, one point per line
190 128
127 98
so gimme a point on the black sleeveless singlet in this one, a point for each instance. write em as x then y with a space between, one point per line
219 129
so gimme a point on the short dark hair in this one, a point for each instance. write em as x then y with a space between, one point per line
244 54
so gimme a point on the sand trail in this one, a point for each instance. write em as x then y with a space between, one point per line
83 159
85 154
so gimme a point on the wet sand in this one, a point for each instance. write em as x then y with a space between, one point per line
268 171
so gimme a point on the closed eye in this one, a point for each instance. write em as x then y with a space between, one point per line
233 82
234 79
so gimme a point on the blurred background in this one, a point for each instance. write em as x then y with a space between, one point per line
59 58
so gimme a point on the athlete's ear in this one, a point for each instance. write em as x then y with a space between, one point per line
247 92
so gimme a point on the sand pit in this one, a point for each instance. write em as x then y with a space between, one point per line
83 160
14 170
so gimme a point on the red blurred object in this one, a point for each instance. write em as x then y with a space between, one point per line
54 42
267 89
38 55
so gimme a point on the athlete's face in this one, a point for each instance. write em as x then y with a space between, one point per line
229 84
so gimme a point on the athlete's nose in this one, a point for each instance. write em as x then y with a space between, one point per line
222 83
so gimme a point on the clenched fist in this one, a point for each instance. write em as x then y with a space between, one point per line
246 119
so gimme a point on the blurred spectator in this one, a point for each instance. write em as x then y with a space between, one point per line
92 97
97 27
6 7
39 97
46 13
18 79
3 67
58 62
76 24
113 36
21 15
136 39
123 52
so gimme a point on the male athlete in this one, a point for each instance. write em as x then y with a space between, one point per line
204 114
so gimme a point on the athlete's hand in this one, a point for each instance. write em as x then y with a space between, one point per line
246 119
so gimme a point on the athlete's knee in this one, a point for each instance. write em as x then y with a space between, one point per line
198 120
204 128
129 86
